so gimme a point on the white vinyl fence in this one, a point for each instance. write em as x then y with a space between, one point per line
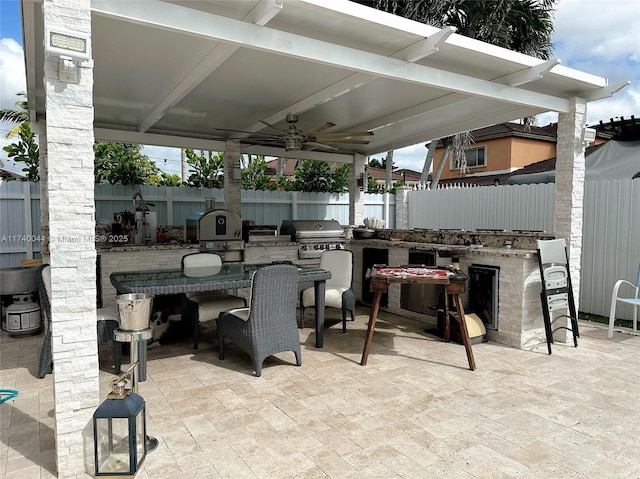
611 228
21 238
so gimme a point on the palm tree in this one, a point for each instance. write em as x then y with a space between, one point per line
19 115
525 26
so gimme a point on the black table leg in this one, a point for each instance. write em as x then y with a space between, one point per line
319 288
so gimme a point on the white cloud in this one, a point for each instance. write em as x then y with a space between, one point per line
12 81
597 30
12 73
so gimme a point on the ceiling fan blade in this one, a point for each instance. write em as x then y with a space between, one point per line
318 128
345 134
247 132
312 145
352 142
272 126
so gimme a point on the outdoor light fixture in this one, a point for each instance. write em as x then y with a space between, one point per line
71 48
119 431
589 135
68 43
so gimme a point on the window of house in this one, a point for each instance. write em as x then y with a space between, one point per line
476 158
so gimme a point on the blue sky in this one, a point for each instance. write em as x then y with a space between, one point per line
601 37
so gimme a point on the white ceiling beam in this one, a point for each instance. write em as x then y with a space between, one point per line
174 141
121 136
28 38
206 25
353 81
446 130
261 14
426 46
528 74
605 92
451 100
335 90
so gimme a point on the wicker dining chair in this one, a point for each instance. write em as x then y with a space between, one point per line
268 325
106 324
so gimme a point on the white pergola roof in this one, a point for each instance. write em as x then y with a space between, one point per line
170 72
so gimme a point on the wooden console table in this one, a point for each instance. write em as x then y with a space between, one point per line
453 283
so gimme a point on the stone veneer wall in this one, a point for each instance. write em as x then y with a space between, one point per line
137 258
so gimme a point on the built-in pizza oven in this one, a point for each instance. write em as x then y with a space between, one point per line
314 236
217 231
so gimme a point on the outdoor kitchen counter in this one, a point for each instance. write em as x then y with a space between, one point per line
520 321
136 257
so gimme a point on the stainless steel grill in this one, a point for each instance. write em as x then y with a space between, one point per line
314 236
217 231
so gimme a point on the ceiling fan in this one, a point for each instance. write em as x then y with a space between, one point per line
295 139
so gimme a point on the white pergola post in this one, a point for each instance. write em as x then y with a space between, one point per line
356 196
570 171
69 180
232 177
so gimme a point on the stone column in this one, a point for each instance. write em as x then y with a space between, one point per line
70 190
402 207
570 170
356 196
232 177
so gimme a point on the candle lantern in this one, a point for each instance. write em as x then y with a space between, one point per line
119 431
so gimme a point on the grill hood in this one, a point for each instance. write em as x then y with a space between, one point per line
312 229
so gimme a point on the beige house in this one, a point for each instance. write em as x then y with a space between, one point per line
499 150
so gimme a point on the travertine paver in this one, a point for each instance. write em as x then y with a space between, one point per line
414 411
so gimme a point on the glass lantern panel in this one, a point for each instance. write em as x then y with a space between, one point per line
140 439
113 445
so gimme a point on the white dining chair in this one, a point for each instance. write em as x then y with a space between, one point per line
338 293
632 298
205 306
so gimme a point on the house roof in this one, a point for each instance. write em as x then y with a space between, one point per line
510 129
176 73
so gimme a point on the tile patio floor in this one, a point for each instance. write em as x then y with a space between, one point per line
415 411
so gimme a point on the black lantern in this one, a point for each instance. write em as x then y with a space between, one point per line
119 432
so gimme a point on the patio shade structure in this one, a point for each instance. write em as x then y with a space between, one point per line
191 74
171 73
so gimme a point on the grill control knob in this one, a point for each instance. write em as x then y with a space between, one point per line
226 245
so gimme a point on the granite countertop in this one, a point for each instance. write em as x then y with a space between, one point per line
443 249
120 247
267 244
